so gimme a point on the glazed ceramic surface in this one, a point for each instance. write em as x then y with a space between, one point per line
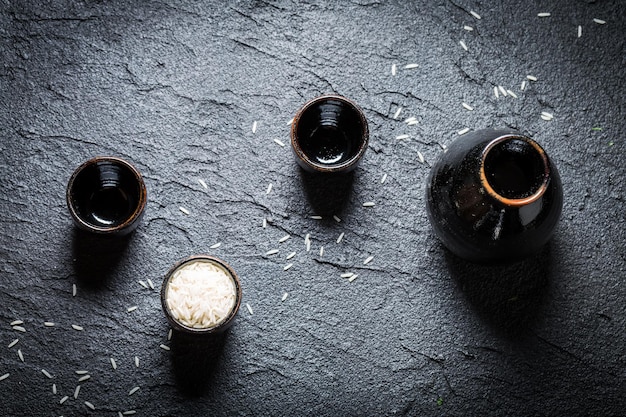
329 134
494 195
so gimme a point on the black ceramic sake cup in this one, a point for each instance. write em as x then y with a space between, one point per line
198 333
329 134
494 196
107 196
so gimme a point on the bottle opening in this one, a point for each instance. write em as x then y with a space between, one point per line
515 169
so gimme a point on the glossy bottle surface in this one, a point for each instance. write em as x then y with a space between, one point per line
494 195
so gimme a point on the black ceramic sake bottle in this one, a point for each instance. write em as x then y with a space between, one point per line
494 196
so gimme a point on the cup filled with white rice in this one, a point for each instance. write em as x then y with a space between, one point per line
201 295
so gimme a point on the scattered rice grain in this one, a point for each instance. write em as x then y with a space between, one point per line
468 28
523 86
286 267
279 143
113 364
90 405
13 343
401 137
81 372
543 14
420 157
383 179
19 329
368 260
76 327
143 284
46 373
369 204
5 376
73 290
290 121
600 21
131 309
254 126
545 113
20 355
411 66
463 131
76 391
410 119
512 94
467 106
16 322
183 209
215 245
580 31
150 283
495 92
316 217
284 238
269 188
463 45
412 123
264 223
84 378
397 113
169 334
347 274
164 347
291 255
337 219
137 361
54 389
394 69
129 412
321 251
271 252
285 295
476 15
249 309
48 324
502 90
531 77
353 277
132 391
62 400
202 183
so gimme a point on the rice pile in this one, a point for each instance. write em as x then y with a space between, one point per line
201 294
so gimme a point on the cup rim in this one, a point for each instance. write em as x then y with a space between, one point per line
344 166
139 208
175 324
515 202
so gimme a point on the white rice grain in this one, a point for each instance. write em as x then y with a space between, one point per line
90 405
420 157
203 184
20 355
137 361
353 277
549 115
48 324
531 77
143 284
279 143
402 137
169 335
215 245
5 376
410 119
468 28
316 217
113 364
463 131
284 238
54 389
523 86
19 329
164 347
347 274
394 69
73 290
150 283
271 252
340 238
368 260
129 412
62 400
264 224
511 93
337 219
286 267
132 391
46 373
600 21
397 113
291 255
183 209
467 106
76 327
369 204
284 297
321 251
383 179
254 126
131 309
502 90
249 309
495 92
81 372
290 121
84 378
580 31
13 343
463 45
269 188
543 14
76 391
476 15
16 322
411 66
412 123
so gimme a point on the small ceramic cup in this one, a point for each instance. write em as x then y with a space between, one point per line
106 195
183 278
329 134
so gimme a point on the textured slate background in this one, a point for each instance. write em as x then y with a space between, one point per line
175 88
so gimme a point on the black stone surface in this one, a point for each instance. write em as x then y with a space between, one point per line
175 87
